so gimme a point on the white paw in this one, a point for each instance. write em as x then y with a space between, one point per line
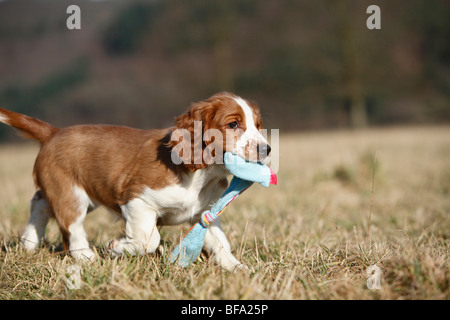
114 249
125 245
228 262
30 239
29 244
120 247
85 255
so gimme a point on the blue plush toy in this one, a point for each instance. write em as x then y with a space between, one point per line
245 174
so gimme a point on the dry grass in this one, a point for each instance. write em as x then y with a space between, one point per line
307 238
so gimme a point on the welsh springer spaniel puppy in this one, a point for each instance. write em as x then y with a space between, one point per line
150 177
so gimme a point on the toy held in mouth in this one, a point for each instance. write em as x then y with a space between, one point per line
245 174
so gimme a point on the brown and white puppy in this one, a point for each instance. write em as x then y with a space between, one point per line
133 172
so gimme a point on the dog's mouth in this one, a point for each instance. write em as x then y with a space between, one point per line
241 168
264 161
258 155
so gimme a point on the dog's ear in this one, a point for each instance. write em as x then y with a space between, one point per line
193 123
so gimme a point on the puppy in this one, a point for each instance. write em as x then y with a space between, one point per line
137 174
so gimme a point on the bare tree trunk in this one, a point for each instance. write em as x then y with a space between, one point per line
224 64
350 64
220 31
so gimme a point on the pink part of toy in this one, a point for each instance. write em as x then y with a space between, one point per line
273 177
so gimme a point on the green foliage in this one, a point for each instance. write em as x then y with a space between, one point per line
202 24
126 31
309 65
28 98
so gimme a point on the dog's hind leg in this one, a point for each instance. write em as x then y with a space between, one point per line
40 214
76 206
70 206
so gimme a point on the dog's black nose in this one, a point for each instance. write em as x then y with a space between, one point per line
263 150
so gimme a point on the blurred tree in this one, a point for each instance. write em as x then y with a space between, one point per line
310 65
351 69
30 99
209 25
219 24
27 99
126 30
431 22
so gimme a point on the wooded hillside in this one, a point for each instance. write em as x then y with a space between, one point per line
309 64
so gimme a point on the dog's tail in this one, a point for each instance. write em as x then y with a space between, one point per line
32 128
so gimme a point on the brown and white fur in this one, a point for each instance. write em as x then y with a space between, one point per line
130 172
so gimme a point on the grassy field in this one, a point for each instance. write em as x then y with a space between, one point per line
345 201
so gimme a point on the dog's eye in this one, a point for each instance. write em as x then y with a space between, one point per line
233 125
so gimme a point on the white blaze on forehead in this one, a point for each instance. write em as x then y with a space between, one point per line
248 112
251 132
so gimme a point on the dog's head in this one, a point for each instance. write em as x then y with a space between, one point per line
223 122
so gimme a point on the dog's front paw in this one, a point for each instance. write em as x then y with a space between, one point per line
229 262
239 267
115 248
83 255
125 246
